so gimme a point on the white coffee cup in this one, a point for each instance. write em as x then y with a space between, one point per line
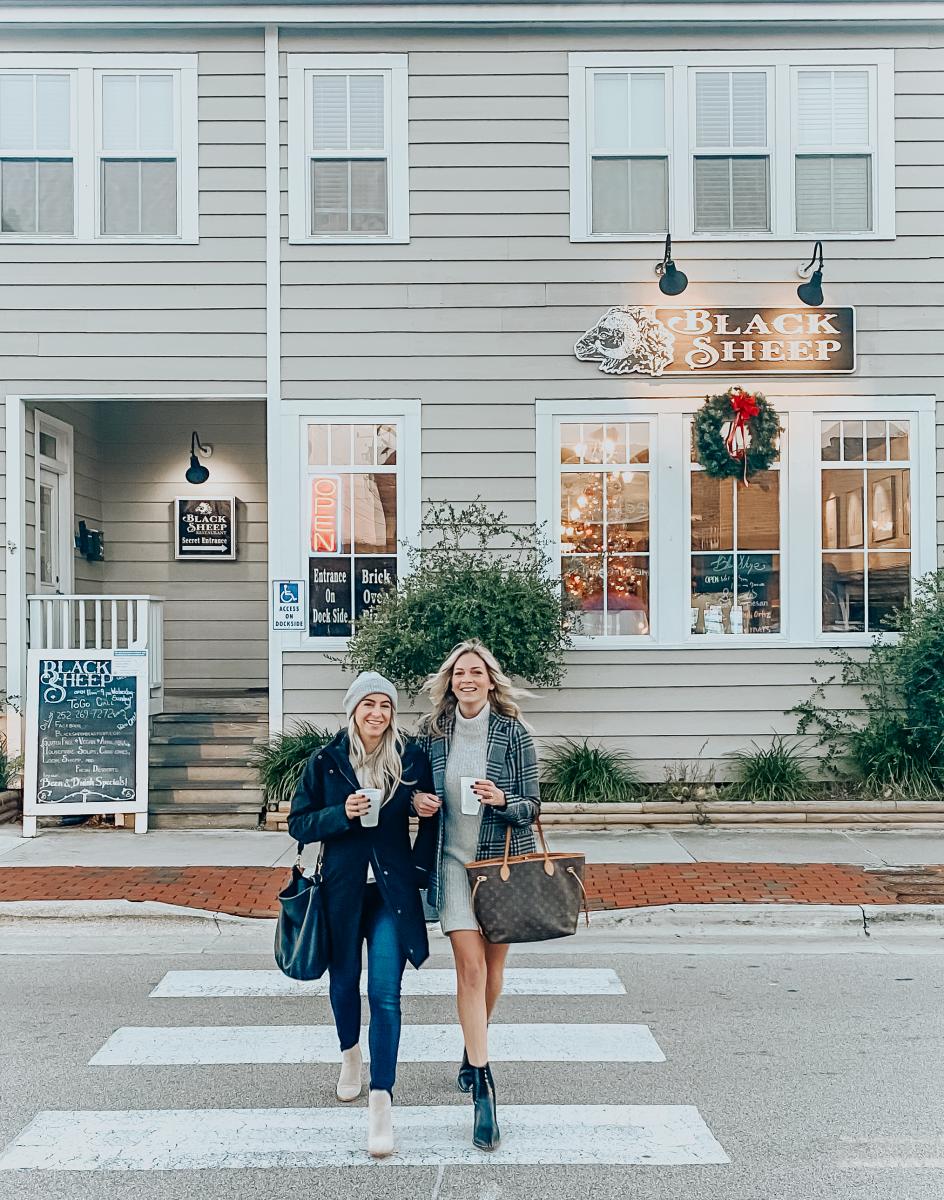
470 803
375 796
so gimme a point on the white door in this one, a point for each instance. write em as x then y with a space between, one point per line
53 505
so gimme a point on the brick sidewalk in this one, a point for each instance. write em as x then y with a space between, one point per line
252 891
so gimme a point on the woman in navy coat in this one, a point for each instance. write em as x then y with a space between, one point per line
371 881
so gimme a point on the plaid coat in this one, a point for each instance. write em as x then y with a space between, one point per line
513 767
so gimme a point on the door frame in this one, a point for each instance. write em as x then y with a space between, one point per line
63 467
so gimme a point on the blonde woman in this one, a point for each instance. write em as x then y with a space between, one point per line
476 731
371 882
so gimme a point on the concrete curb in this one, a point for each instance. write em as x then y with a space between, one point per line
15 912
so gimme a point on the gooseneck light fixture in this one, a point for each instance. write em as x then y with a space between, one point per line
811 292
197 472
672 281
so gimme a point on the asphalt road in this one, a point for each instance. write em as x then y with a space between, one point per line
820 1075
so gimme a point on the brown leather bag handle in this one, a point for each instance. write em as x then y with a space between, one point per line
505 870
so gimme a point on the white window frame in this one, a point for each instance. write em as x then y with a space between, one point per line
801 524
780 66
395 70
292 486
86 71
63 467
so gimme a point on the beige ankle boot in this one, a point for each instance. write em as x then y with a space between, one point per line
349 1081
379 1124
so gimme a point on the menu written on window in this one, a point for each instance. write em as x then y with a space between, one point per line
87 733
342 590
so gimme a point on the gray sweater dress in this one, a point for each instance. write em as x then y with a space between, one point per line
468 755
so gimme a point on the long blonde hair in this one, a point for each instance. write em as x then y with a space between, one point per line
383 766
503 697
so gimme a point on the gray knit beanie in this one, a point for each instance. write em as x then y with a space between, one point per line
368 683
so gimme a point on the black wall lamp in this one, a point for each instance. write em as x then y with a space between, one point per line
672 281
197 472
811 292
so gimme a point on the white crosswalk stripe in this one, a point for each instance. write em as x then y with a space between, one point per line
519 981
188 1139
205 1045
168 1139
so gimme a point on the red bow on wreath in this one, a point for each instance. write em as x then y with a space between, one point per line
736 443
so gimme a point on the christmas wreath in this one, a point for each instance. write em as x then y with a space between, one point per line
735 434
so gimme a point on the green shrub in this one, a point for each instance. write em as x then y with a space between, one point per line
774 772
894 739
687 780
578 773
477 577
9 767
279 763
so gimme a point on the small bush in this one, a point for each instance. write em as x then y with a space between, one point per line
687 780
9 767
774 772
279 763
578 773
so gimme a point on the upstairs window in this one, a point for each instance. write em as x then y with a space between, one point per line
630 153
37 167
138 155
731 152
348 148
834 140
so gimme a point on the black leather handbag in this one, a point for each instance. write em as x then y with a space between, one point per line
528 897
302 945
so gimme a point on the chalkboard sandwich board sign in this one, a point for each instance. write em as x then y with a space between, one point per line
205 528
87 735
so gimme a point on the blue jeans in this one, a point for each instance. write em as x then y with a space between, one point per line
385 964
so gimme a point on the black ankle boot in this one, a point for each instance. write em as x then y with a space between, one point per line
485 1132
464 1078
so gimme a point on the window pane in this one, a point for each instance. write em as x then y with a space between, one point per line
364 445
386 445
18 191
889 587
627 596
833 108
750 187
898 440
329 206
834 193
758 512
55 197
571 445
367 112
843 593
611 111
340 445
47 445
614 444
46 535
749 108
712 592
889 509
159 197
16 114
757 601
328 502
829 441
329 112
375 513
592 445
53 132
814 108
843 512
852 450
369 196
647 111
583 580
582 511
157 114
712 512
731 194
121 196
639 442
875 441
318 451
712 108
627 511
120 114
629 195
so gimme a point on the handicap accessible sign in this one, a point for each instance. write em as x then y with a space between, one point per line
288 604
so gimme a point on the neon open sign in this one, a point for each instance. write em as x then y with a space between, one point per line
325 514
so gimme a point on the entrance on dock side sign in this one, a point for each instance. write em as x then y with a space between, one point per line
288 604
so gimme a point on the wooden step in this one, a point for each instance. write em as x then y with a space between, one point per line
230 773
213 701
206 728
207 791
172 752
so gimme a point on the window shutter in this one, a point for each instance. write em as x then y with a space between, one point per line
367 112
329 102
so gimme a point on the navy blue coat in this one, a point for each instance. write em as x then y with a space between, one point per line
317 815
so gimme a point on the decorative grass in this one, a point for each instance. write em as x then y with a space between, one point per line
280 762
774 772
9 767
575 772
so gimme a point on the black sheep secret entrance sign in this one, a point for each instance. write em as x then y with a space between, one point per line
86 747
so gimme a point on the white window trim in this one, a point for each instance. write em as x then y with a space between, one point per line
800 551
780 65
292 497
395 67
85 69
63 466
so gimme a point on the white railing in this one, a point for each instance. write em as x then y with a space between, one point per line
78 622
